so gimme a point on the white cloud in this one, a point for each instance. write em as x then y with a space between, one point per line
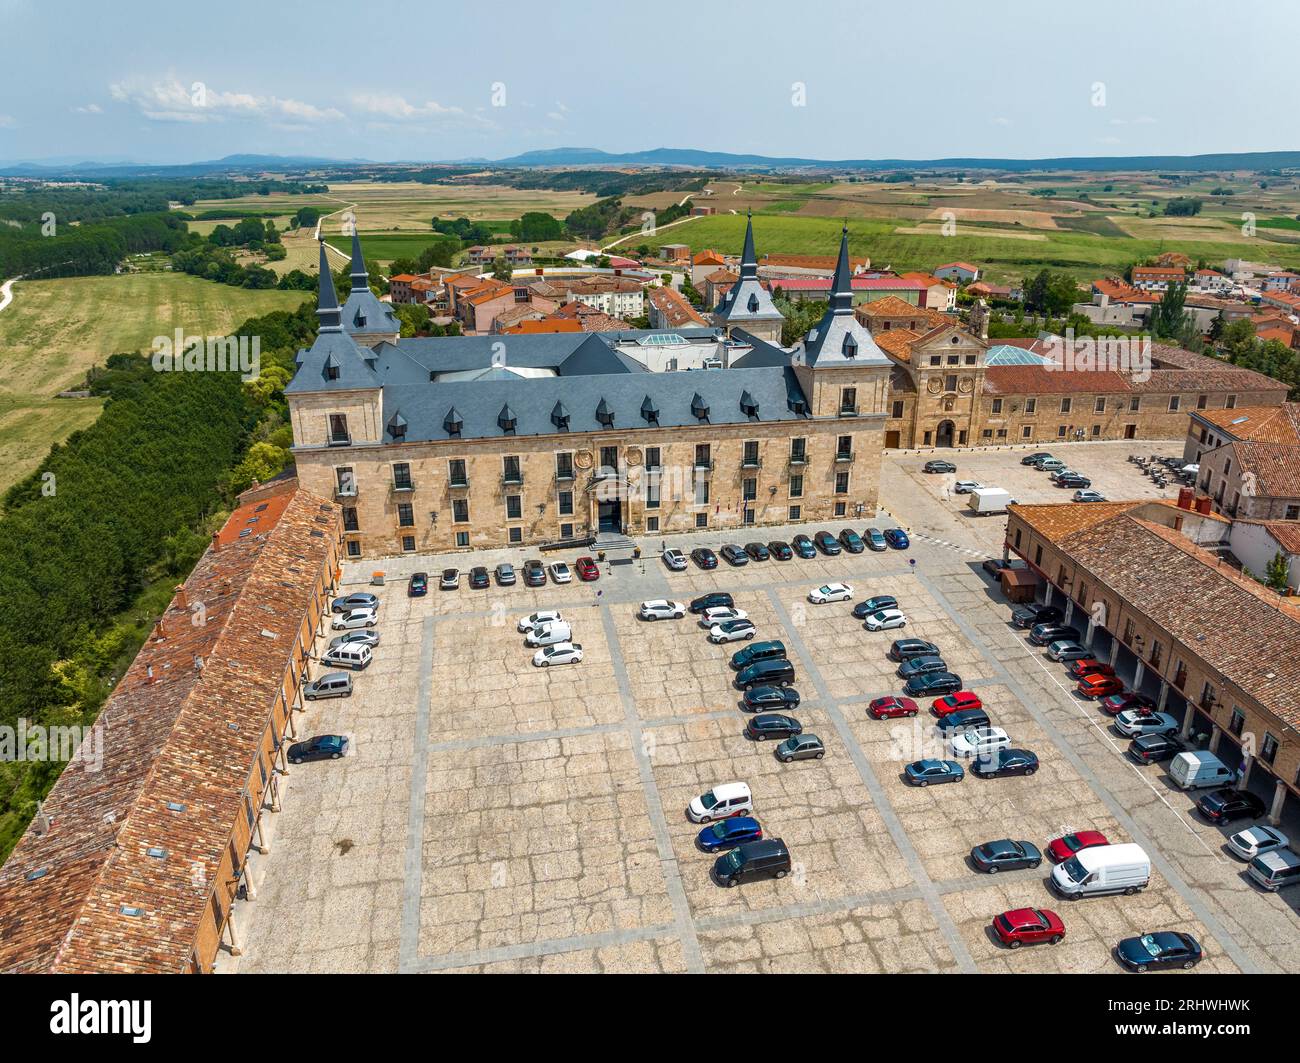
90 108
7 121
168 100
392 106
1001 121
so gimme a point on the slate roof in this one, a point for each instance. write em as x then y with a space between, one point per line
364 313
747 299
839 338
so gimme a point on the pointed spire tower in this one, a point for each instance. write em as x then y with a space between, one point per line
747 305
367 320
839 338
327 302
748 257
360 275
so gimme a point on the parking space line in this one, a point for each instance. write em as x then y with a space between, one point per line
413 864
892 823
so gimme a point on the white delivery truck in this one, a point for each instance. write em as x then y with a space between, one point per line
1124 868
1191 771
989 500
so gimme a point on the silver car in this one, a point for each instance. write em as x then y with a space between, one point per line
800 747
363 637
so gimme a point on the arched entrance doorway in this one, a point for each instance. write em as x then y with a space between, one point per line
944 435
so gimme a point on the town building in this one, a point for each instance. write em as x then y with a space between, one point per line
368 320
1257 544
961 272
939 294
1157 278
675 252
747 305
669 309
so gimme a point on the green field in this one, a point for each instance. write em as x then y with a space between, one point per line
55 330
384 247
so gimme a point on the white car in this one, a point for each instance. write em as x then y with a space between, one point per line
551 634
560 653
831 592
560 572
354 618
722 802
544 616
886 620
731 631
965 487
1132 722
979 740
720 614
675 560
662 609
1252 841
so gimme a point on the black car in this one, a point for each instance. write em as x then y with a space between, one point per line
418 586
933 684
852 541
772 725
803 546
768 858
505 574
906 649
922 666
1073 480
770 699
1005 762
938 466
757 651
1035 458
780 550
478 578
873 605
1036 613
734 555
1005 855
826 543
1043 633
1227 804
757 551
1148 749
704 557
713 600
1155 951
322 747
995 566
534 573
776 671
961 720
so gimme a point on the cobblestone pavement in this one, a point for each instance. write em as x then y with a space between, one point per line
493 816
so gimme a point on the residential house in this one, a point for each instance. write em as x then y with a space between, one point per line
961 272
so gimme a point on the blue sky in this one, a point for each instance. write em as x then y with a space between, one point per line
155 82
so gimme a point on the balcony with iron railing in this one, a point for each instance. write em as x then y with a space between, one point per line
751 462
401 487
512 478
844 457
703 465
343 440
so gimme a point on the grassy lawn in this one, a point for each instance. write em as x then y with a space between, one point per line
384 247
55 330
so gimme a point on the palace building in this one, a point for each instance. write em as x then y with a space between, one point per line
434 444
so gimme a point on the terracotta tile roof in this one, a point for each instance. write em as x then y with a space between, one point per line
1276 467
174 730
959 265
1055 521
1287 534
1178 370
402 278
927 279
1262 424
1159 272
896 342
1041 380
675 308
1120 292
544 325
709 257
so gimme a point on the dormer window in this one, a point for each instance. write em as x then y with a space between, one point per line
506 420
649 410
452 423
604 414
850 346
560 417
753 303
699 408
748 406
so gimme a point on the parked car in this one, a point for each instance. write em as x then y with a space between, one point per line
353 619
933 772
321 747
1154 952
1114 704
826 543
803 546
1086 666
995 566
961 701
1073 479
505 573
938 465
551 634
728 833
1099 686
759 651
725 800
780 550
830 592
757 551
891 707
875 539
1257 840
933 684
366 636
921 666
1089 496
534 573
1148 749
329 685
897 538
449 580
873 605
961 720
1005 762
418 585
965 487
979 741
851 541
768 858
354 657
731 631
560 572
1049 465
542 616
721 614
1028 926
775 672
1067 845
886 620
1005 854
360 600
734 555
478 578
674 560
1034 458
772 725
768 699
1043 633
587 569
1036 613
662 609
1229 803
704 557
800 747
560 653
712 600
906 649
1131 723
1067 650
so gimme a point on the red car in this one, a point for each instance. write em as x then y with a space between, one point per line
957 702
890 707
1114 704
587 570
1089 666
1028 926
1067 845
1100 686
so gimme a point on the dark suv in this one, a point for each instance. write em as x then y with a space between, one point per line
758 651
921 666
851 541
716 600
1036 613
1222 806
1043 633
826 543
776 671
1148 749
750 860
906 649
534 573
932 684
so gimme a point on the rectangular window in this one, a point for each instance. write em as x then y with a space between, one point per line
1173 403
840 509
1018 534
1026 432
1031 406
1038 556
652 524
950 382
1066 404
1238 722
701 492
346 481
516 535
796 487
1293 512
997 405
1156 650
841 483
514 507
849 400
1135 403
566 531
339 435
456 474
460 510
898 408
564 466
462 539
1096 430
1268 749
1201 401
749 489
566 503
798 451
408 544
350 522
405 515
701 520
843 448
609 459
652 492
402 476
510 471
1230 403
1060 431
354 548
703 460
796 513
749 455
653 459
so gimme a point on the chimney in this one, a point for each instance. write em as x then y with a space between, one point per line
148 673
1185 497
216 541
182 600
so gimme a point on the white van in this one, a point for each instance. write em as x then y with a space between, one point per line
1191 771
728 799
1123 868
349 655
1276 870
550 634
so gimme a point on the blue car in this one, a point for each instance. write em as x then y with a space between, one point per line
803 546
728 833
927 772
897 538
